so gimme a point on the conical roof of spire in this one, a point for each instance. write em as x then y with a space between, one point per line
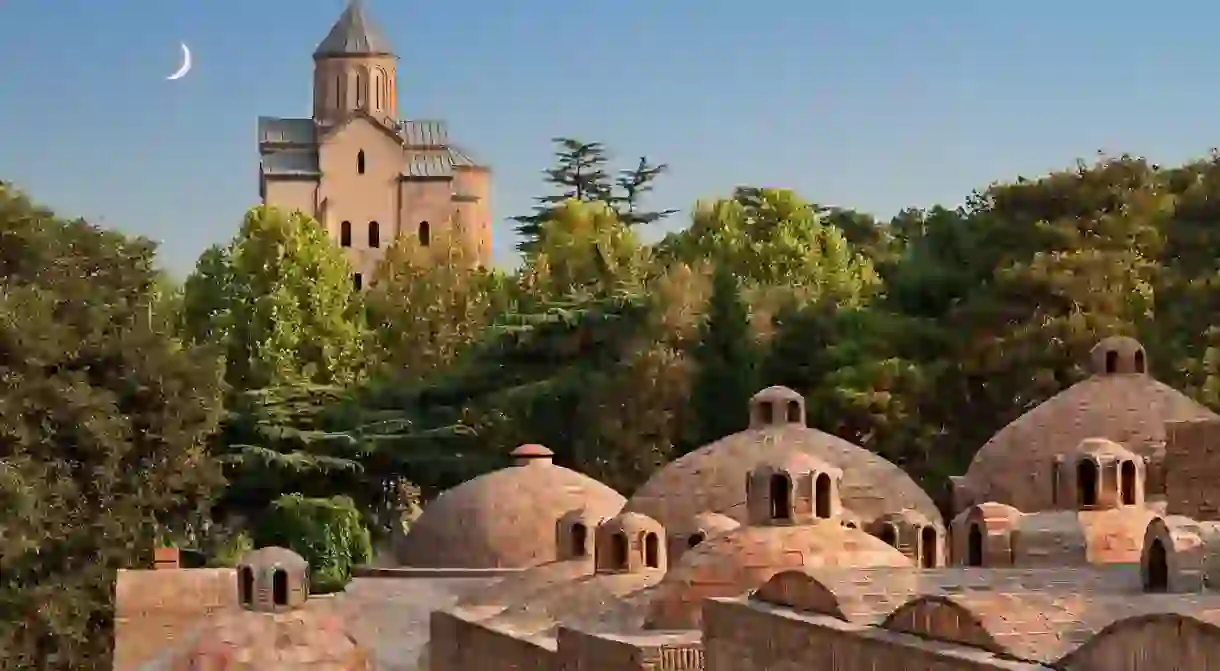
354 34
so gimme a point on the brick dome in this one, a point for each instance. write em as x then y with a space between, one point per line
1119 402
744 559
713 478
254 641
504 519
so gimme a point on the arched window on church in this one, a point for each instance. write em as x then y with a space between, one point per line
345 234
425 233
374 235
360 162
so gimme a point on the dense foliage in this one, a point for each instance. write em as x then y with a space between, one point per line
916 337
104 418
327 532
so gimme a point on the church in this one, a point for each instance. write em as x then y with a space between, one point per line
366 175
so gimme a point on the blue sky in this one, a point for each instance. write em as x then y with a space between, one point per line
870 104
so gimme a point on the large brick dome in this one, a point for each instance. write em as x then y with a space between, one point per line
712 478
1119 402
504 519
744 559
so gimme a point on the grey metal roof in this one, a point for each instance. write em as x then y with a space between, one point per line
427 163
354 34
462 158
272 130
430 133
290 162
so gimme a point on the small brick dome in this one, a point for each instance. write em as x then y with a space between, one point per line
507 518
256 641
713 478
1017 465
744 559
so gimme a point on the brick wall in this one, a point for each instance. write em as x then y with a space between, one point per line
1192 467
457 644
654 651
739 636
156 610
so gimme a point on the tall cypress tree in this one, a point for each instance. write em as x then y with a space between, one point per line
579 173
727 360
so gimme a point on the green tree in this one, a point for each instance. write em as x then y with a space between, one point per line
428 304
584 250
581 173
770 237
327 533
726 361
280 299
104 417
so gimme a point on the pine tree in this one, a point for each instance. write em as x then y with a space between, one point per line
633 185
579 174
727 360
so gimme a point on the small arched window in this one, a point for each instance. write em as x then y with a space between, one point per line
245 585
374 235
974 546
345 234
794 413
781 505
1140 364
618 550
652 552
695 539
1156 578
425 233
339 92
279 587
889 534
1126 479
765 412
929 546
821 496
580 537
360 162
359 90
1055 483
1086 482
1111 361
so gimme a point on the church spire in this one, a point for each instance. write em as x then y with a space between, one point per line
354 34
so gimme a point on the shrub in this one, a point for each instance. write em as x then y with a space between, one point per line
326 532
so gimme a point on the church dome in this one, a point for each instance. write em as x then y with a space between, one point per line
506 518
712 478
744 559
1119 402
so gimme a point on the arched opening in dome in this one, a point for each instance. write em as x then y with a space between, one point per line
1111 361
695 539
1141 364
929 546
580 539
821 496
618 550
974 546
1086 482
245 585
652 553
1126 479
888 534
764 413
795 416
781 504
1156 573
279 587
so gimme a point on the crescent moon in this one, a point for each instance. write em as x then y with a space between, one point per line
186 64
